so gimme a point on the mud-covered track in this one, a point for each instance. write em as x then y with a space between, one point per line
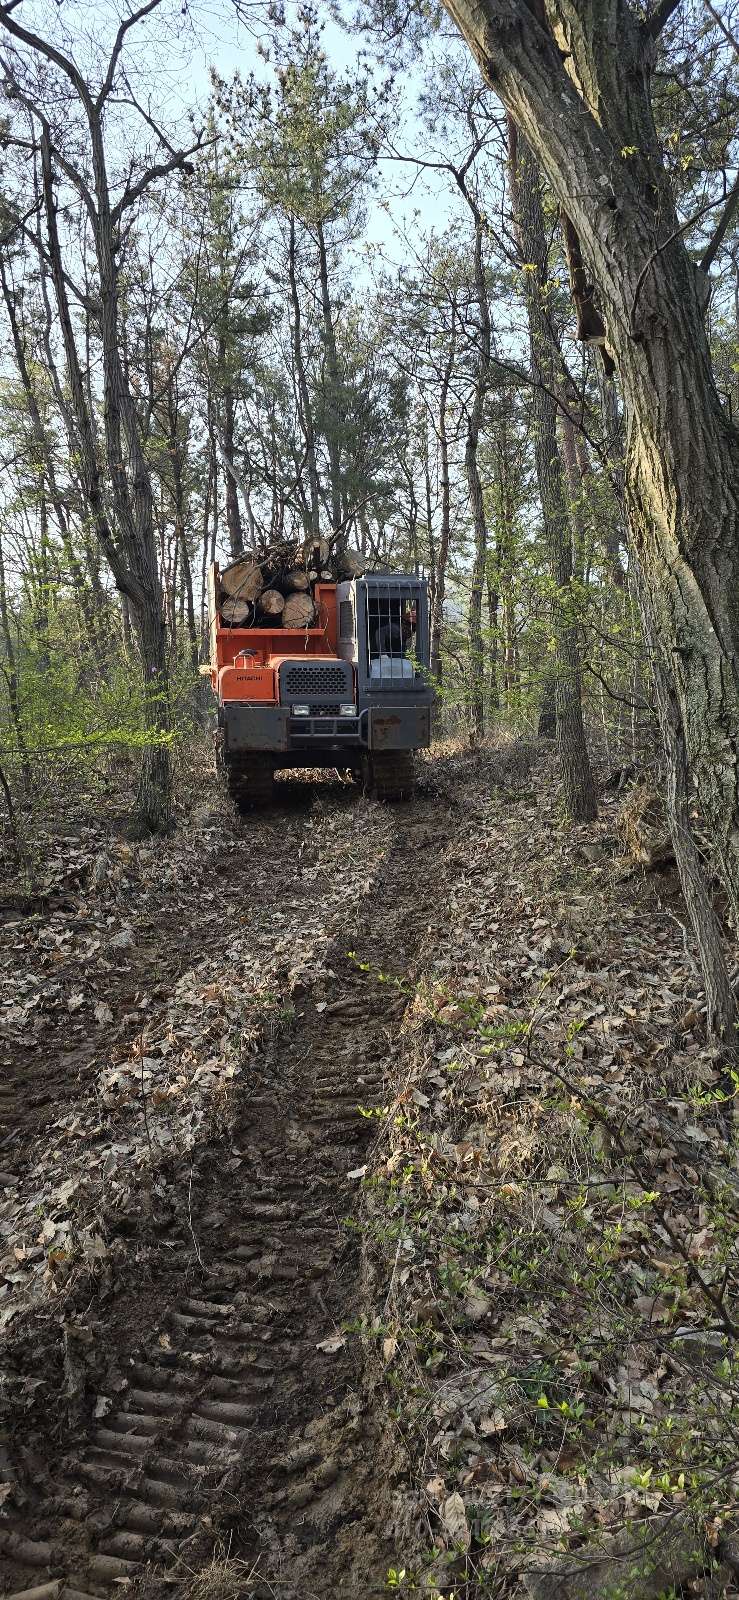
231 1425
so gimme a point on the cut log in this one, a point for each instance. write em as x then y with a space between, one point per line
272 603
327 575
299 611
316 552
297 581
236 612
351 564
243 579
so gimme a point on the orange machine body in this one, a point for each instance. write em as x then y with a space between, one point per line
245 662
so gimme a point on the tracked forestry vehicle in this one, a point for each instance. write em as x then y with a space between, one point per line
347 688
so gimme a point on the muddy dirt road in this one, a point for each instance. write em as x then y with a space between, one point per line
233 1415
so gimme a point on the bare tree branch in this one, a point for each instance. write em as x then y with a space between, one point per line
161 169
726 31
129 22
659 18
727 217
45 48
14 92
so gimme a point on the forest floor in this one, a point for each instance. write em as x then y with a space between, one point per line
368 1205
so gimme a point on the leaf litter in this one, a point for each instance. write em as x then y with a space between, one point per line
151 988
553 1204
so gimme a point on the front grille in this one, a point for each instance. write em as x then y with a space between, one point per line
318 682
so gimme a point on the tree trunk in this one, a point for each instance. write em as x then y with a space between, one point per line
233 510
720 1001
133 561
442 554
493 599
332 388
476 699
180 514
298 612
304 403
11 678
244 580
579 787
586 111
546 727
45 463
272 603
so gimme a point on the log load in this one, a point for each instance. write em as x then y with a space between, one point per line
297 581
243 580
274 588
237 613
272 604
350 564
299 611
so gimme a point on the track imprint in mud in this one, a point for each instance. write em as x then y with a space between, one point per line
239 1421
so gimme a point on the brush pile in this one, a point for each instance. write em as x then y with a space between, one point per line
275 588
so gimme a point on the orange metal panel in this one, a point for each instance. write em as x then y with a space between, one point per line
326 607
247 680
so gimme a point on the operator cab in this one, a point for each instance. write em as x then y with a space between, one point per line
384 630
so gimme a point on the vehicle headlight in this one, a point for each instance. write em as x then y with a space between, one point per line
348 710
301 711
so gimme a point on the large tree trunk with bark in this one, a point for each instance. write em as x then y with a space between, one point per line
579 787
134 503
575 77
721 1006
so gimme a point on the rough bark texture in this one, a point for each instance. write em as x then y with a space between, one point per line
577 83
720 1001
133 553
577 777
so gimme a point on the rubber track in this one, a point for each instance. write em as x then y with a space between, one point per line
225 1409
393 775
250 781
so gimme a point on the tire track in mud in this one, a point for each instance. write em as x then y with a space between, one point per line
234 1427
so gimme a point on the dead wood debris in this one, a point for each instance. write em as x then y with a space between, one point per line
644 828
